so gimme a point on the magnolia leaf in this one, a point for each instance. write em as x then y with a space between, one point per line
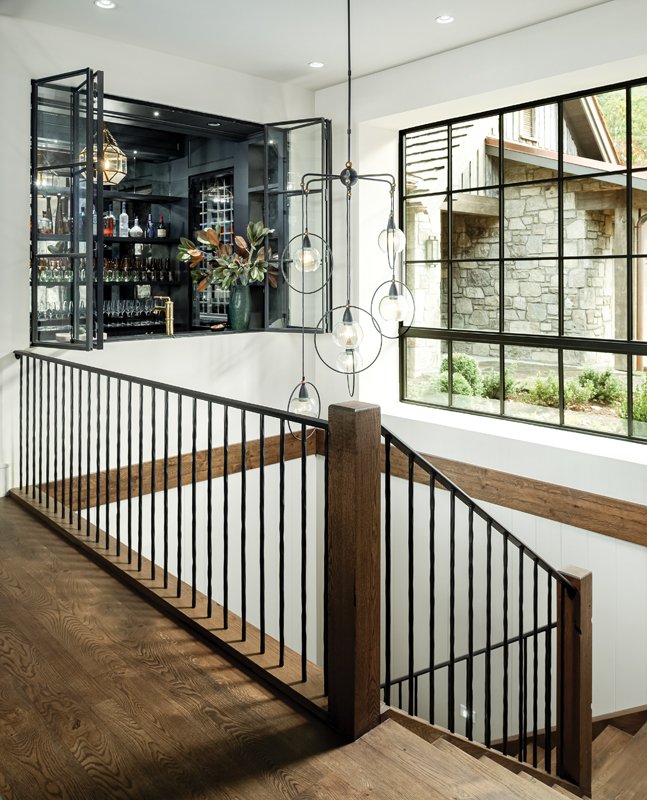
271 277
195 253
213 237
201 236
241 243
203 284
187 244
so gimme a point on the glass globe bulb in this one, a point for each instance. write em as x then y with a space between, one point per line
349 361
392 239
348 333
393 306
307 258
307 407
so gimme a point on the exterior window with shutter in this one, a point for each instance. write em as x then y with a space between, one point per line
528 124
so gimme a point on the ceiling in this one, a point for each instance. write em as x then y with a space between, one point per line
277 39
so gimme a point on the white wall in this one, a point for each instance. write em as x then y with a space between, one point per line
583 50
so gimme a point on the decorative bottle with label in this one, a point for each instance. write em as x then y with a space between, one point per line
150 228
109 222
136 232
161 229
123 221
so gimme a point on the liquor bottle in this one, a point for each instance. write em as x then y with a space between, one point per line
161 229
136 232
67 220
58 219
123 221
94 221
109 222
47 218
150 228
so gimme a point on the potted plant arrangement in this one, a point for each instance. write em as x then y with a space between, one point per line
232 267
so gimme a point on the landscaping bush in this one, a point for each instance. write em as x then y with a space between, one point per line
544 391
460 384
640 403
466 366
607 389
491 385
578 392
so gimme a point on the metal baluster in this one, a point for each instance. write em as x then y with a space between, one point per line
130 472
118 471
415 696
522 732
56 486
209 508
64 441
225 518
304 558
411 597
79 450
107 511
40 431
98 456
325 561
140 480
28 420
88 445
243 523
399 694
166 489
261 540
452 610
49 427
387 569
525 698
535 661
194 433
432 597
153 487
469 722
20 430
33 430
178 589
488 637
282 544
506 646
548 714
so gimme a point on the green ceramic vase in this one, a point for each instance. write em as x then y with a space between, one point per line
240 307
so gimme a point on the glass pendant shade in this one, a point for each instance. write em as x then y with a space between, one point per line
394 306
392 239
115 162
348 333
307 258
304 404
349 361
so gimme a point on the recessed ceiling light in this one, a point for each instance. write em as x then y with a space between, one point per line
156 113
316 64
134 152
105 4
214 124
444 19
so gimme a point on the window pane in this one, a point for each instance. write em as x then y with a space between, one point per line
475 224
423 362
639 390
475 156
595 389
476 380
425 158
428 284
595 133
530 215
425 226
475 295
640 296
531 144
639 126
595 214
531 297
595 291
639 203
532 384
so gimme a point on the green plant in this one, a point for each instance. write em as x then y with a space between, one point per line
491 385
578 392
544 391
225 265
639 403
464 365
607 389
460 384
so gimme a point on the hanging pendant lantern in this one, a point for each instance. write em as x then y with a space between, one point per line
115 161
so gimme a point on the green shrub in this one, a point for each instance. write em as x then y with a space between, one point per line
640 403
491 385
460 384
464 365
607 389
578 392
544 391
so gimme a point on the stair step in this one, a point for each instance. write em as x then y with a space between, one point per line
523 790
565 793
543 790
606 748
462 774
625 776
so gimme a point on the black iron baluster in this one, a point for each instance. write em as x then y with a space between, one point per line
410 572
140 480
325 561
304 558
33 430
166 489
225 517
387 569
28 421
129 506
261 522
178 588
399 694
243 523
506 646
488 636
40 431
432 597
64 440
209 508
20 430
98 461
107 511
88 456
55 431
452 610
118 470
282 544
469 721
194 558
522 699
548 669
525 699
415 695
79 453
48 405
535 661
153 487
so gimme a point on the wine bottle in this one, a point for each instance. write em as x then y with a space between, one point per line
161 229
123 221
67 220
58 219
109 222
94 221
150 228
136 232
47 217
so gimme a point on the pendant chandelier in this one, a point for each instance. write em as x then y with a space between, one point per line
392 307
115 162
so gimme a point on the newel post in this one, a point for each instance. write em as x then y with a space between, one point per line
575 678
354 567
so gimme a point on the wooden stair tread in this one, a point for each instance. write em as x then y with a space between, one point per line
606 748
524 789
565 793
625 776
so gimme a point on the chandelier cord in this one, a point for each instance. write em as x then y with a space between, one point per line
348 248
304 212
348 130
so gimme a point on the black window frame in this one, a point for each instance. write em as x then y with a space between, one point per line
629 346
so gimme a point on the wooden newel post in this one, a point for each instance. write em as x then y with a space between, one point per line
574 679
354 567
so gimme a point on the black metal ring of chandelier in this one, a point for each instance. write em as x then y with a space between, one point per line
326 257
319 331
405 329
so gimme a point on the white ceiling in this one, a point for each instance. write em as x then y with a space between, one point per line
277 38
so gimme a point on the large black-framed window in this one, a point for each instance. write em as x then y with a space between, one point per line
527 257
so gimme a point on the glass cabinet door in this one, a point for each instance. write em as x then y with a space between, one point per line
293 149
66 190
